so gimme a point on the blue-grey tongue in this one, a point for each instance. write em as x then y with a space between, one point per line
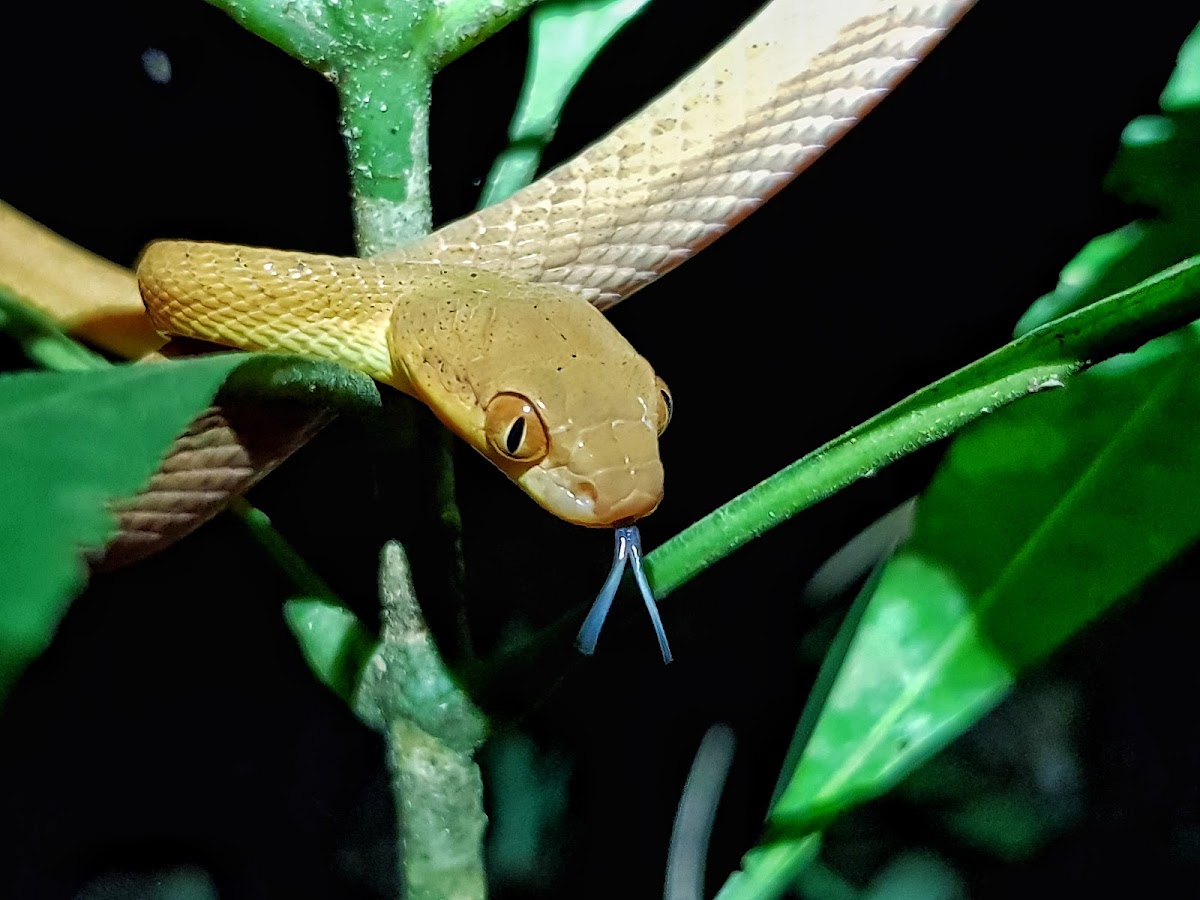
627 550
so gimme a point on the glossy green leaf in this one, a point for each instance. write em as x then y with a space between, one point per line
1040 518
1038 521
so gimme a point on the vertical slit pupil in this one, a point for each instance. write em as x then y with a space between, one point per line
515 436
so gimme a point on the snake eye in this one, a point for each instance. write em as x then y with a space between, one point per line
666 404
514 429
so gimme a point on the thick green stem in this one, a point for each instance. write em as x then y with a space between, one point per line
382 55
385 120
433 730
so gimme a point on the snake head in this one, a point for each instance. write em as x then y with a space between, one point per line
588 458
538 381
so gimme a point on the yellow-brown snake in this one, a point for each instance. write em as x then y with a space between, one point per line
462 319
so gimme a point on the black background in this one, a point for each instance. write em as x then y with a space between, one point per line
173 720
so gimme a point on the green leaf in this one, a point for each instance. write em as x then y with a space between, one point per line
72 443
1038 520
42 341
335 644
565 36
913 875
1182 93
1158 165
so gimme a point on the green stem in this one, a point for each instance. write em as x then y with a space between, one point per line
433 732
303 576
1042 358
300 28
464 24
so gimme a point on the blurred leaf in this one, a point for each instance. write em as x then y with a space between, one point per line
335 644
71 443
916 876
527 818
1006 825
1158 165
1014 783
42 341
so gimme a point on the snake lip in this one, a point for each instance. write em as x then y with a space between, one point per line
629 510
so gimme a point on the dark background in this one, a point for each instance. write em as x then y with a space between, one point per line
173 721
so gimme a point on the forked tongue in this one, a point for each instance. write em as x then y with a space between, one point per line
627 550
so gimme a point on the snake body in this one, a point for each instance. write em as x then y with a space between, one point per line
705 154
659 188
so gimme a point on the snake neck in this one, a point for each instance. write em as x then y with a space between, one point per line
249 298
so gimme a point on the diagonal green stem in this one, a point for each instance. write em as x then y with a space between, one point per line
1043 358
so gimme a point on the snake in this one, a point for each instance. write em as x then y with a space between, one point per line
494 321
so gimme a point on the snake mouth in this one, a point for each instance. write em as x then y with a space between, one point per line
579 503
576 503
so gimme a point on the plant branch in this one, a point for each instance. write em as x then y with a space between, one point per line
464 24
433 731
301 28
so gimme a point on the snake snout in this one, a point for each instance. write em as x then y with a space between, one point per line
588 502
628 492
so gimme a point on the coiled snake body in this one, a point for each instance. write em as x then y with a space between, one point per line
488 321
